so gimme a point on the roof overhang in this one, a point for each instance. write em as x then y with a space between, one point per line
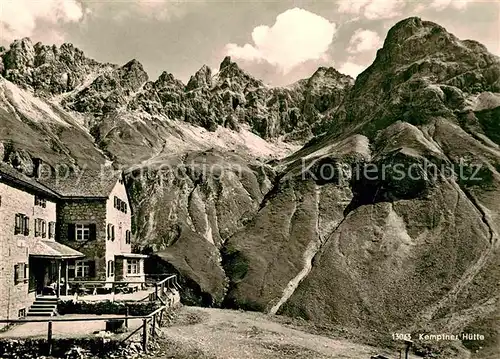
131 255
53 250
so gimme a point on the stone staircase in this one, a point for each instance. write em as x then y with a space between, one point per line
43 307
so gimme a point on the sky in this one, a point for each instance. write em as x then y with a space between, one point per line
278 41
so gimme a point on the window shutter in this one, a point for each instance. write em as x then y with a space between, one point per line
16 273
37 224
109 232
26 271
71 232
125 208
44 229
17 228
93 231
112 232
26 226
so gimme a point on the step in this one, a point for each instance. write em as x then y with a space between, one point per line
39 310
45 302
39 314
44 306
44 299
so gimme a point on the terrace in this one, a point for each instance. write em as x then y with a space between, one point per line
116 316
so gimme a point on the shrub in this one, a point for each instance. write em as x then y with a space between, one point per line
106 307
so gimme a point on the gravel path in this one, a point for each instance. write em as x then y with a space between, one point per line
201 333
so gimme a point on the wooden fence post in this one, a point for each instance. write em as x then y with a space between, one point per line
126 315
156 291
145 335
153 331
49 338
161 318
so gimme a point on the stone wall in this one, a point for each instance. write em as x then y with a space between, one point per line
14 248
86 211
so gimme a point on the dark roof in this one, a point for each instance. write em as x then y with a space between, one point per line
84 183
13 176
51 249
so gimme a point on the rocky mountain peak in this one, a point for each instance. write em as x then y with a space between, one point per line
225 63
330 74
166 79
202 78
132 75
20 56
47 70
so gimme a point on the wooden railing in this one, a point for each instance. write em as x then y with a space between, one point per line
160 287
163 286
150 324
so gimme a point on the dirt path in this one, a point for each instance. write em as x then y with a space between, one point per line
224 334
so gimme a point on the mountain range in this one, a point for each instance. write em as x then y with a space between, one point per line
301 211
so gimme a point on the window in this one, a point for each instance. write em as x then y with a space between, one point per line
19 224
21 313
82 269
127 237
52 229
82 232
111 268
40 228
133 266
20 273
22 224
111 232
39 201
120 205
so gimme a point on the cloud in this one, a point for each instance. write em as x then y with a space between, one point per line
440 5
373 9
364 40
296 36
350 68
19 18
